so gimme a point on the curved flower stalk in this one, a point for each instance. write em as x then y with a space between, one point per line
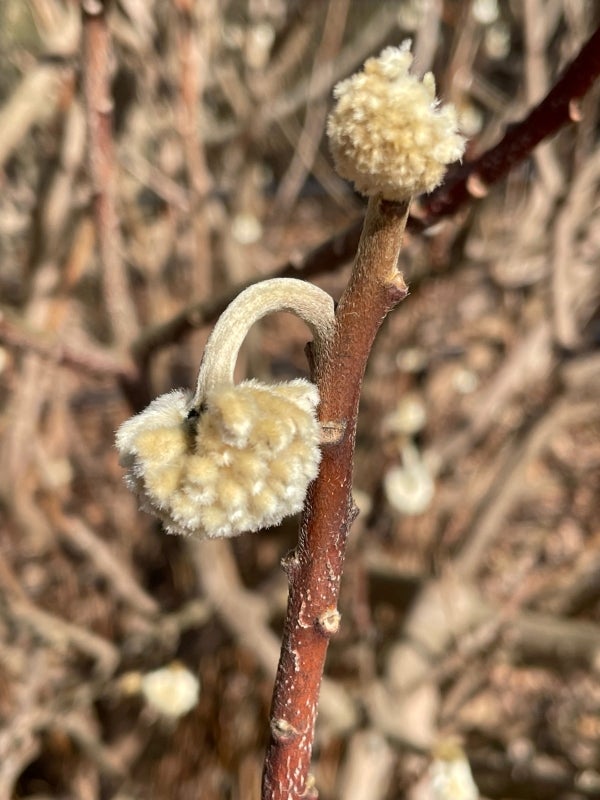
228 459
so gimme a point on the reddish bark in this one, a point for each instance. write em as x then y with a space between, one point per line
554 111
315 567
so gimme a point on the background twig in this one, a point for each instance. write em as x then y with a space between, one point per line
99 110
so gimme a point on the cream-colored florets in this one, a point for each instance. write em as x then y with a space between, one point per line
409 488
172 690
450 774
243 464
388 134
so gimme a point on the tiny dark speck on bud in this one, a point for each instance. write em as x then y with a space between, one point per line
194 412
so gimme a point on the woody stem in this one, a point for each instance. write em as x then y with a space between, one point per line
315 569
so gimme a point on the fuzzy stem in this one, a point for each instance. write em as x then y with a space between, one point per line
306 301
315 567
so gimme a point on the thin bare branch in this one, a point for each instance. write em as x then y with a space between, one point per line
102 165
314 569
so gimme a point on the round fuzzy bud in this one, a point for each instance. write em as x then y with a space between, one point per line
387 132
450 773
172 690
245 464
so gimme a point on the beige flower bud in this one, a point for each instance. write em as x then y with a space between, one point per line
450 773
231 458
172 690
387 132
409 488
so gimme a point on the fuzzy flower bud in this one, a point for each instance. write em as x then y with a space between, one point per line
229 458
409 488
172 690
450 773
244 465
387 132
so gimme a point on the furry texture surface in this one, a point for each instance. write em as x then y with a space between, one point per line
172 690
243 464
387 132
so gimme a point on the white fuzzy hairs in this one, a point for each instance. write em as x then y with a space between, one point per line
229 458
242 465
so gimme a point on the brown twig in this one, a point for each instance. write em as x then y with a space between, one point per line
569 284
99 110
89 358
368 768
32 102
247 615
555 110
368 39
510 485
74 532
192 75
314 120
61 635
314 568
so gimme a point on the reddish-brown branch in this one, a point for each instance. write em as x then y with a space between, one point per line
315 567
555 110
96 69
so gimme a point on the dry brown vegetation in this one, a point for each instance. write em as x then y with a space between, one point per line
479 616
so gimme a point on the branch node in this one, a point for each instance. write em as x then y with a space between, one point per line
290 562
283 731
310 788
476 186
328 623
575 113
332 432
396 289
